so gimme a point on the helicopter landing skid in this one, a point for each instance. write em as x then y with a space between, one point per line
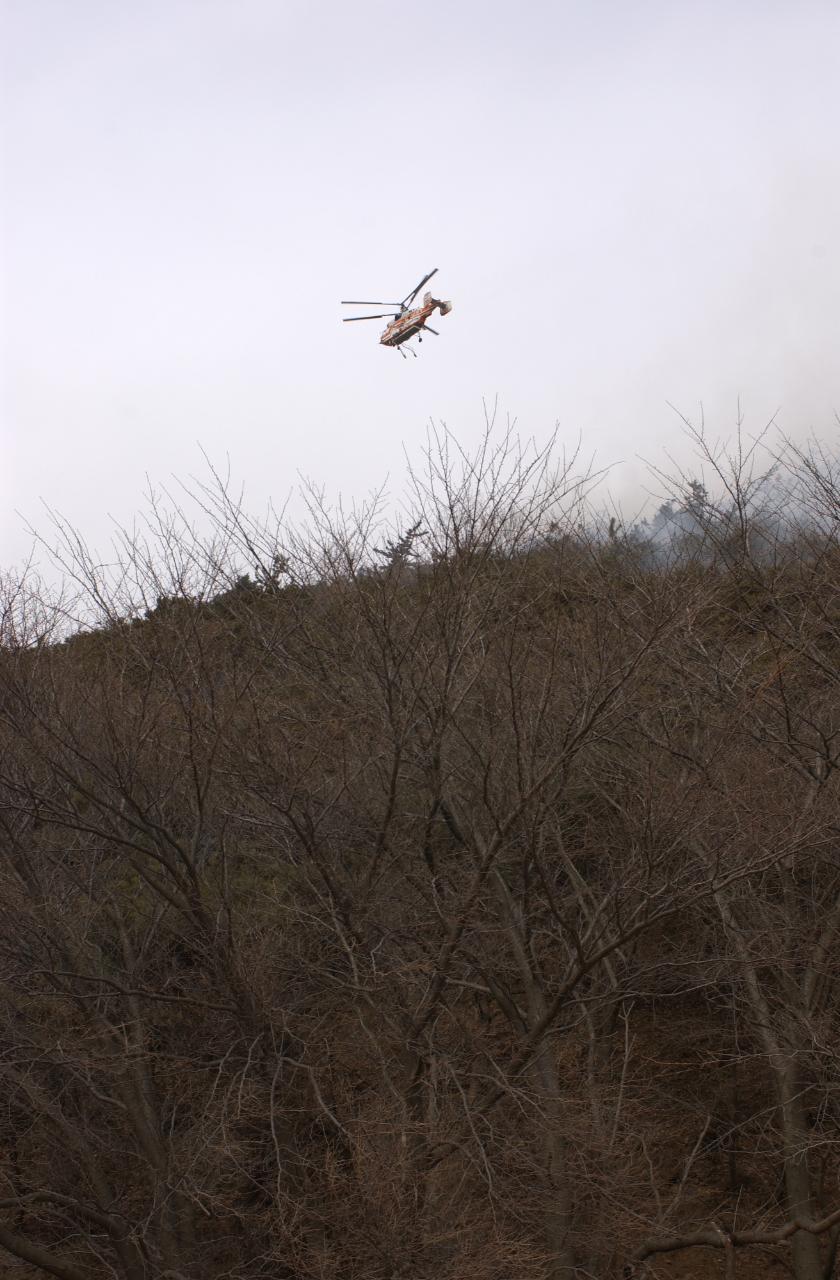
403 354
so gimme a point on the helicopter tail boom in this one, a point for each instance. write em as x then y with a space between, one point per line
444 307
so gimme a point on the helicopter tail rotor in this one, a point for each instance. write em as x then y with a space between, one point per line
444 307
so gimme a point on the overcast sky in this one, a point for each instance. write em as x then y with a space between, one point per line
629 204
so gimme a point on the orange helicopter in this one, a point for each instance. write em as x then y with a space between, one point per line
406 322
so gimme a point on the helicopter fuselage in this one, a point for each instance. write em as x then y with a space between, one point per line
412 322
401 330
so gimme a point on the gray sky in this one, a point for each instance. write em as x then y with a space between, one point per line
629 203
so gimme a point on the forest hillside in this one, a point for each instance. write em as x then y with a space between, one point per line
455 899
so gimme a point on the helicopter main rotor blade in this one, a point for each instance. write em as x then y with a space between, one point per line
409 297
427 328
380 316
354 302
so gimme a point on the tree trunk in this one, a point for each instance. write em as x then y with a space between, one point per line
794 1122
807 1263
558 1215
559 1210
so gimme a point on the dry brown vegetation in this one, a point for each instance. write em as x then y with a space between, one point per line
462 902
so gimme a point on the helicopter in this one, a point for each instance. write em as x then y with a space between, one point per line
406 322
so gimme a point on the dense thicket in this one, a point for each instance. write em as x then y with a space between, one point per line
462 901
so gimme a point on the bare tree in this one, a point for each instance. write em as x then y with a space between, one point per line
451 893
